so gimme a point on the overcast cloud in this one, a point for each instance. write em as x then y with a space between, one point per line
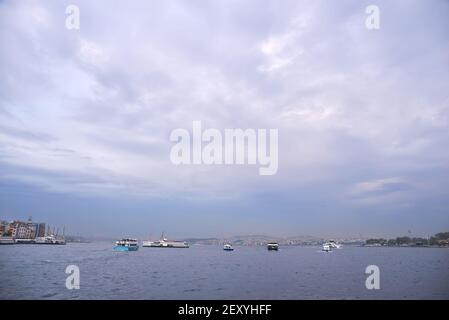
363 115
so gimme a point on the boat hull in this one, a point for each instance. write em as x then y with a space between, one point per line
51 243
165 245
40 240
124 248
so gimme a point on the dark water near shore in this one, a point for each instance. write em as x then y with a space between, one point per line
208 272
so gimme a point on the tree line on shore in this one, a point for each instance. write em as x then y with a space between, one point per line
439 239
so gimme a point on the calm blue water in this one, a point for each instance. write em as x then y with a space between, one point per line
208 272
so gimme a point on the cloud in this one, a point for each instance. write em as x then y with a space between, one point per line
380 191
350 104
282 49
377 185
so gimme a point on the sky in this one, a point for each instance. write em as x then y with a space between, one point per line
362 116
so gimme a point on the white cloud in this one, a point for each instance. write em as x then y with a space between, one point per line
343 99
375 185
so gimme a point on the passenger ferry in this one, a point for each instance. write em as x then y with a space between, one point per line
6 240
165 243
49 239
126 245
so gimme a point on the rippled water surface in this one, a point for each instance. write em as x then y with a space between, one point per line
208 272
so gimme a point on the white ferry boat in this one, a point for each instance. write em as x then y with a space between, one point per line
6 240
50 239
273 246
165 243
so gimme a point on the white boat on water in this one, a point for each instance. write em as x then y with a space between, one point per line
165 243
50 239
126 244
6 240
228 247
334 245
327 247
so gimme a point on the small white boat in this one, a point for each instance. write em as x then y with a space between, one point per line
228 247
327 247
272 246
334 245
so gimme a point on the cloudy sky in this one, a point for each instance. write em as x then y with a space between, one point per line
363 116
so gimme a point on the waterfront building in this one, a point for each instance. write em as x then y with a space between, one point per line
26 230
4 228
40 230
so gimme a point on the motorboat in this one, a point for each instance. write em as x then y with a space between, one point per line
334 244
228 247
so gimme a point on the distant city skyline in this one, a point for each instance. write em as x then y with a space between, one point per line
362 116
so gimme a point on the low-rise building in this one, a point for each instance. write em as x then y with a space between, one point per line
26 230
4 228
